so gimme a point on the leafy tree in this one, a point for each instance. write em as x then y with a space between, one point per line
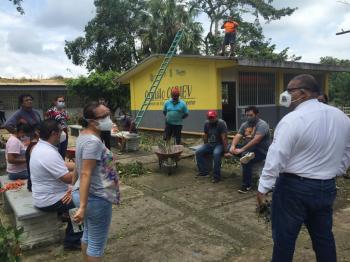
18 4
109 41
100 85
251 41
339 82
123 32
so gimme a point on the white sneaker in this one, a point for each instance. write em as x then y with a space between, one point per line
247 157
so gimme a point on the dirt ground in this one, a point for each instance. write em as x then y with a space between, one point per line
181 218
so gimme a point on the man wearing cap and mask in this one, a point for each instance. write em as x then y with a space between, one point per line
255 134
174 110
215 143
311 146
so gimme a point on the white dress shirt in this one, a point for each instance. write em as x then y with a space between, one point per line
312 141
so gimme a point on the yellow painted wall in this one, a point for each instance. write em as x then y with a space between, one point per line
197 80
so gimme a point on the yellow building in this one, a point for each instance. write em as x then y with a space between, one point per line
214 82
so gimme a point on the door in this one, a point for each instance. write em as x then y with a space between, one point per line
229 104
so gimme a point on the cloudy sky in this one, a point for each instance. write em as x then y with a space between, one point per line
32 45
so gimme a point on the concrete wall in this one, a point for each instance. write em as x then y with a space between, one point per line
196 118
193 123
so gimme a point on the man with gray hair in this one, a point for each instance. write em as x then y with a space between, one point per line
311 146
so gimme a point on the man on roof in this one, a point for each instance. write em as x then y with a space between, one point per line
230 27
174 110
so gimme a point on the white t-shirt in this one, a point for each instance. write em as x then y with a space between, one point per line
46 168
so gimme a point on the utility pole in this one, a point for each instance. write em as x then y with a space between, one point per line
342 31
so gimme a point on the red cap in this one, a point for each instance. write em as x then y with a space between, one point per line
212 114
175 91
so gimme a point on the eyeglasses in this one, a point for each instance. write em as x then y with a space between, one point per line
291 90
103 116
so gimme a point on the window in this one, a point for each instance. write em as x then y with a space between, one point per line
257 88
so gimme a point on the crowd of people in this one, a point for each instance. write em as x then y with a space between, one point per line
310 148
36 151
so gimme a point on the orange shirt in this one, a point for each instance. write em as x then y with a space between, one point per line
230 26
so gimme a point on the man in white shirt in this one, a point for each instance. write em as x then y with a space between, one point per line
311 146
51 177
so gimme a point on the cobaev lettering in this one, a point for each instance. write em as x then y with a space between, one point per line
165 93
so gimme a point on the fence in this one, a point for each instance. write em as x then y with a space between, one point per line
346 110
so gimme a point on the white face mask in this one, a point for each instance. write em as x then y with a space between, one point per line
105 124
61 104
285 99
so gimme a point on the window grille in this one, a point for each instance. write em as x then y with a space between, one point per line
257 88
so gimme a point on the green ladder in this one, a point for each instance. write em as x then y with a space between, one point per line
169 55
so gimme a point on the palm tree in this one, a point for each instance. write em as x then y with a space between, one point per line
162 20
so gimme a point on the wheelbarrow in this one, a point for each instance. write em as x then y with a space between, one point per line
168 158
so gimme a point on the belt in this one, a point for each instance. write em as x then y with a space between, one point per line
294 176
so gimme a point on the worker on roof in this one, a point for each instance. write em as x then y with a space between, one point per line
174 110
230 27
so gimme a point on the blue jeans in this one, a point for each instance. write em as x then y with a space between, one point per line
247 168
71 238
209 149
298 201
96 223
20 175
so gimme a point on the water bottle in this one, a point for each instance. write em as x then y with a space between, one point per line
76 227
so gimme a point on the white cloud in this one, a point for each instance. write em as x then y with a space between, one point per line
310 30
66 13
32 45
24 41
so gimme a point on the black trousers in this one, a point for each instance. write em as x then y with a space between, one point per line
71 238
106 138
173 130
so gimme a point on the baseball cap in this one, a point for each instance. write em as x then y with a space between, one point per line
212 114
175 91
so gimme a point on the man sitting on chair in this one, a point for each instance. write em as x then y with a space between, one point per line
256 140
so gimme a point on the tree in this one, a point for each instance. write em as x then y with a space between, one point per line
162 21
109 41
125 32
251 41
18 4
100 85
339 82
